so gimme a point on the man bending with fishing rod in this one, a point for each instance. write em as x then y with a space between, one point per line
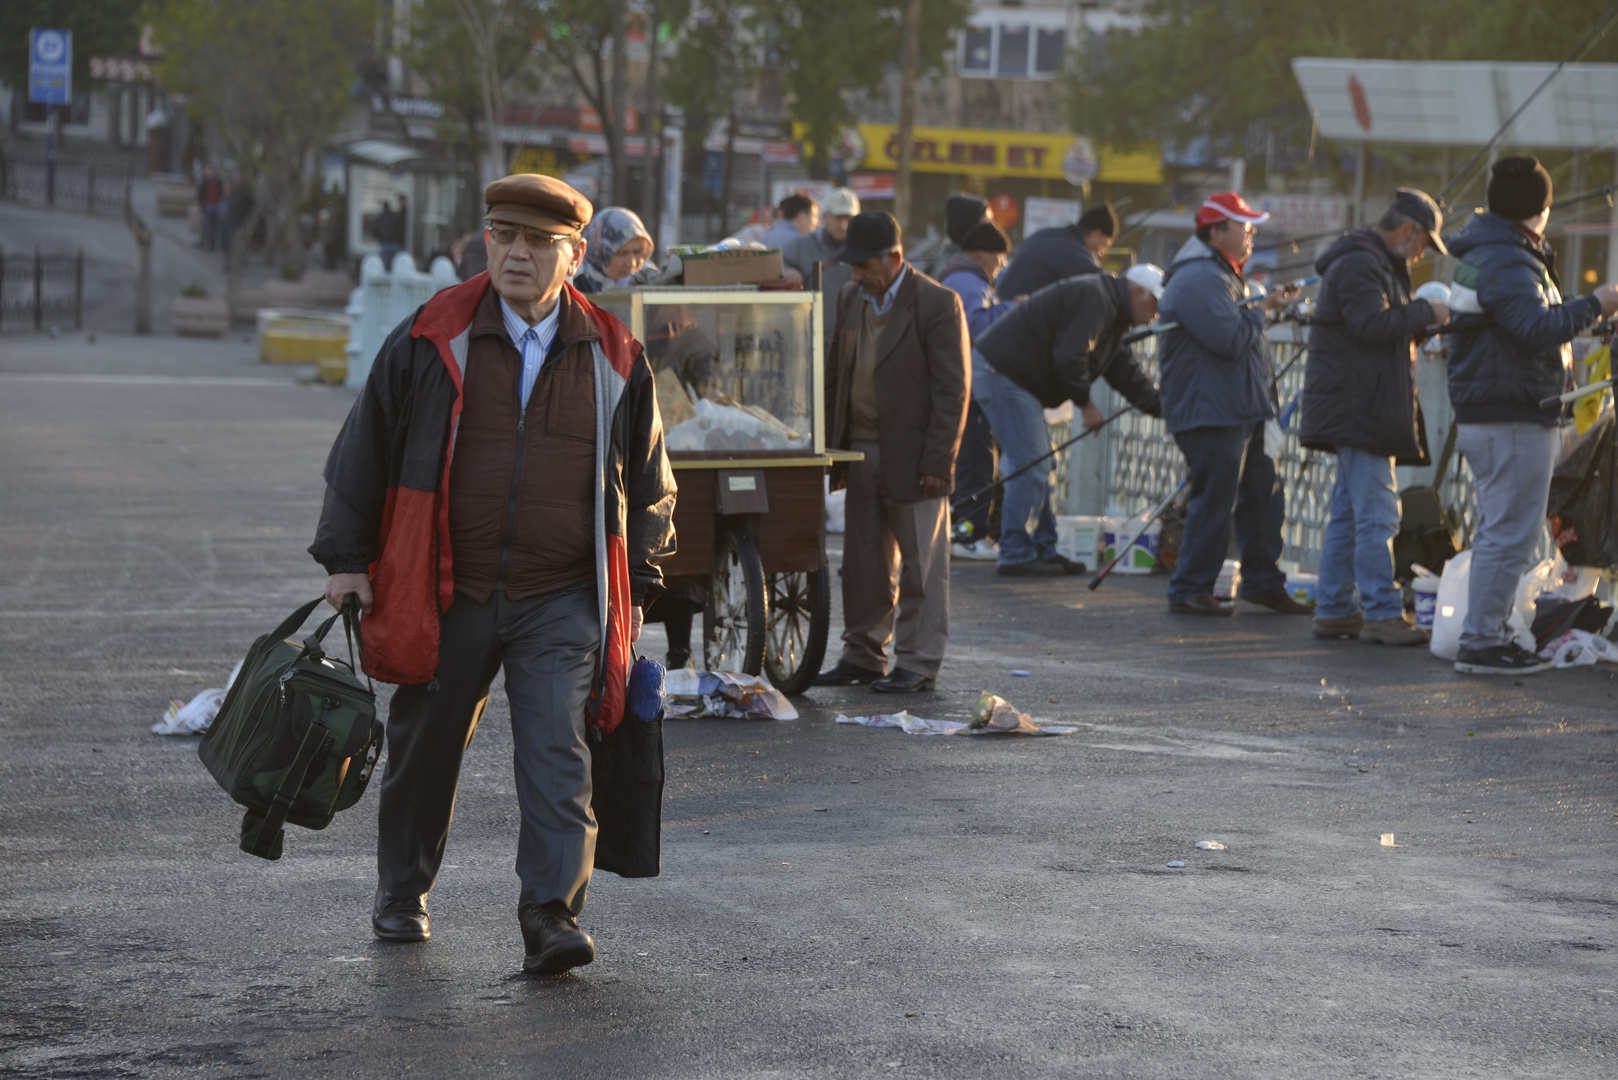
1047 350
1218 392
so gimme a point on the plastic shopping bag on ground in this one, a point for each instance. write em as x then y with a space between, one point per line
1529 586
1451 611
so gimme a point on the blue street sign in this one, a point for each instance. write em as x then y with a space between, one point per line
50 66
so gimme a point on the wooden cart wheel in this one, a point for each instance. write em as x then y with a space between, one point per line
799 619
733 622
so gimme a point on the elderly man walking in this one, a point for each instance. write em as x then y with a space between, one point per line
500 498
897 378
1359 402
1498 374
1049 349
1218 391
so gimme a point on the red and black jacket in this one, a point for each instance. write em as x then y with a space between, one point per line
387 490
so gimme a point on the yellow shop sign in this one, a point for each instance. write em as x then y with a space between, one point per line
989 152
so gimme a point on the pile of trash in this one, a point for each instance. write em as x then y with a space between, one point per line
993 715
195 716
694 694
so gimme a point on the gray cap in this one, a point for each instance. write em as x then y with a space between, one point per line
1419 207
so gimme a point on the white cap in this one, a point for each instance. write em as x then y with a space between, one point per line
841 202
1147 276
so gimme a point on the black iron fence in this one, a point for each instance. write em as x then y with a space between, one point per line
38 289
73 185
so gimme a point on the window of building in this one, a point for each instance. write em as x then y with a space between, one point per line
1013 50
1048 49
1013 45
977 49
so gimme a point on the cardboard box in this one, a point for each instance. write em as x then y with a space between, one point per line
737 267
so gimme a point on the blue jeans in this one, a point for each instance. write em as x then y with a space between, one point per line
1229 471
974 468
1356 559
1027 522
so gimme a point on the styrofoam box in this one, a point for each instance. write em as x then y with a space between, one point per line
1079 538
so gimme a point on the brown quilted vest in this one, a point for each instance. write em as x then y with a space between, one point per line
522 499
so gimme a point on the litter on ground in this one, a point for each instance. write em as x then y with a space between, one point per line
992 716
694 694
193 717
1210 845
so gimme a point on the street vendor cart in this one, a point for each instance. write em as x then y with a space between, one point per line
740 387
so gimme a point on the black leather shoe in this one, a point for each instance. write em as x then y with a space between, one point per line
1282 602
1202 605
1070 567
399 918
552 940
846 674
900 681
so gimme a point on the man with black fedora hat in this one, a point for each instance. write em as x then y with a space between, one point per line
1359 402
499 498
1498 374
898 371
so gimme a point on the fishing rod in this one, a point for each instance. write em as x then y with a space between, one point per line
1557 401
978 494
1156 513
1159 328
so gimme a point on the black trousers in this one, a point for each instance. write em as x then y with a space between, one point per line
547 645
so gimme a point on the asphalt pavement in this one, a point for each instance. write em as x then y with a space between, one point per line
835 901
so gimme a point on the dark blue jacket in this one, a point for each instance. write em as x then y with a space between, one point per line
1060 340
1045 258
1501 372
978 296
1214 370
1359 389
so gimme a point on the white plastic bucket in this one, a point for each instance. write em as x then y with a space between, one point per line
1301 587
1079 538
1230 580
1142 557
1426 590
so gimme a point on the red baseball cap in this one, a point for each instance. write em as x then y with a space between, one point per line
1228 206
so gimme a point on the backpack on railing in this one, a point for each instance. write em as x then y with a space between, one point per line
297 736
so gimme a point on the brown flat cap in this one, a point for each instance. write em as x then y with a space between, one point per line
540 202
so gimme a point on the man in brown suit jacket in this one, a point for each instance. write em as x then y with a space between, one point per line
897 377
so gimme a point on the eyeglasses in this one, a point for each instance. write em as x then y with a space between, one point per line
506 235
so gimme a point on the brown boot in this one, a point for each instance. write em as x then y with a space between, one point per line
1392 632
1348 627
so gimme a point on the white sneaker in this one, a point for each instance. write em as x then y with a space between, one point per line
982 550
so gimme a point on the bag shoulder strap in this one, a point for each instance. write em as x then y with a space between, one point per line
262 840
1444 456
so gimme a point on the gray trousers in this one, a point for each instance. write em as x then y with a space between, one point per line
1511 467
547 645
895 563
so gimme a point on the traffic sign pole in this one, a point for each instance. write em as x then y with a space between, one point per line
50 83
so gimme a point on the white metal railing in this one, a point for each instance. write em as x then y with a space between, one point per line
385 298
1139 463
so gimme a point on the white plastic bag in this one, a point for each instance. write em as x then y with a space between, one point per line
1452 594
836 508
1577 648
1529 586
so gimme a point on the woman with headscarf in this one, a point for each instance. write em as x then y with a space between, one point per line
617 252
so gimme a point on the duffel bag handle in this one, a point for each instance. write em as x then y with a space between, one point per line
350 614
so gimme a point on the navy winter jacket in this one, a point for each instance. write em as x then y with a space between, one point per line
1359 389
1501 372
1213 368
1045 258
1061 339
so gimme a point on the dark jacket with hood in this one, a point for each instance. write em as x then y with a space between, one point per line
1500 373
1214 367
387 486
1065 336
1359 389
967 278
1046 258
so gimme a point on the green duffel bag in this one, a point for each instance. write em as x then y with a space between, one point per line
297 736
